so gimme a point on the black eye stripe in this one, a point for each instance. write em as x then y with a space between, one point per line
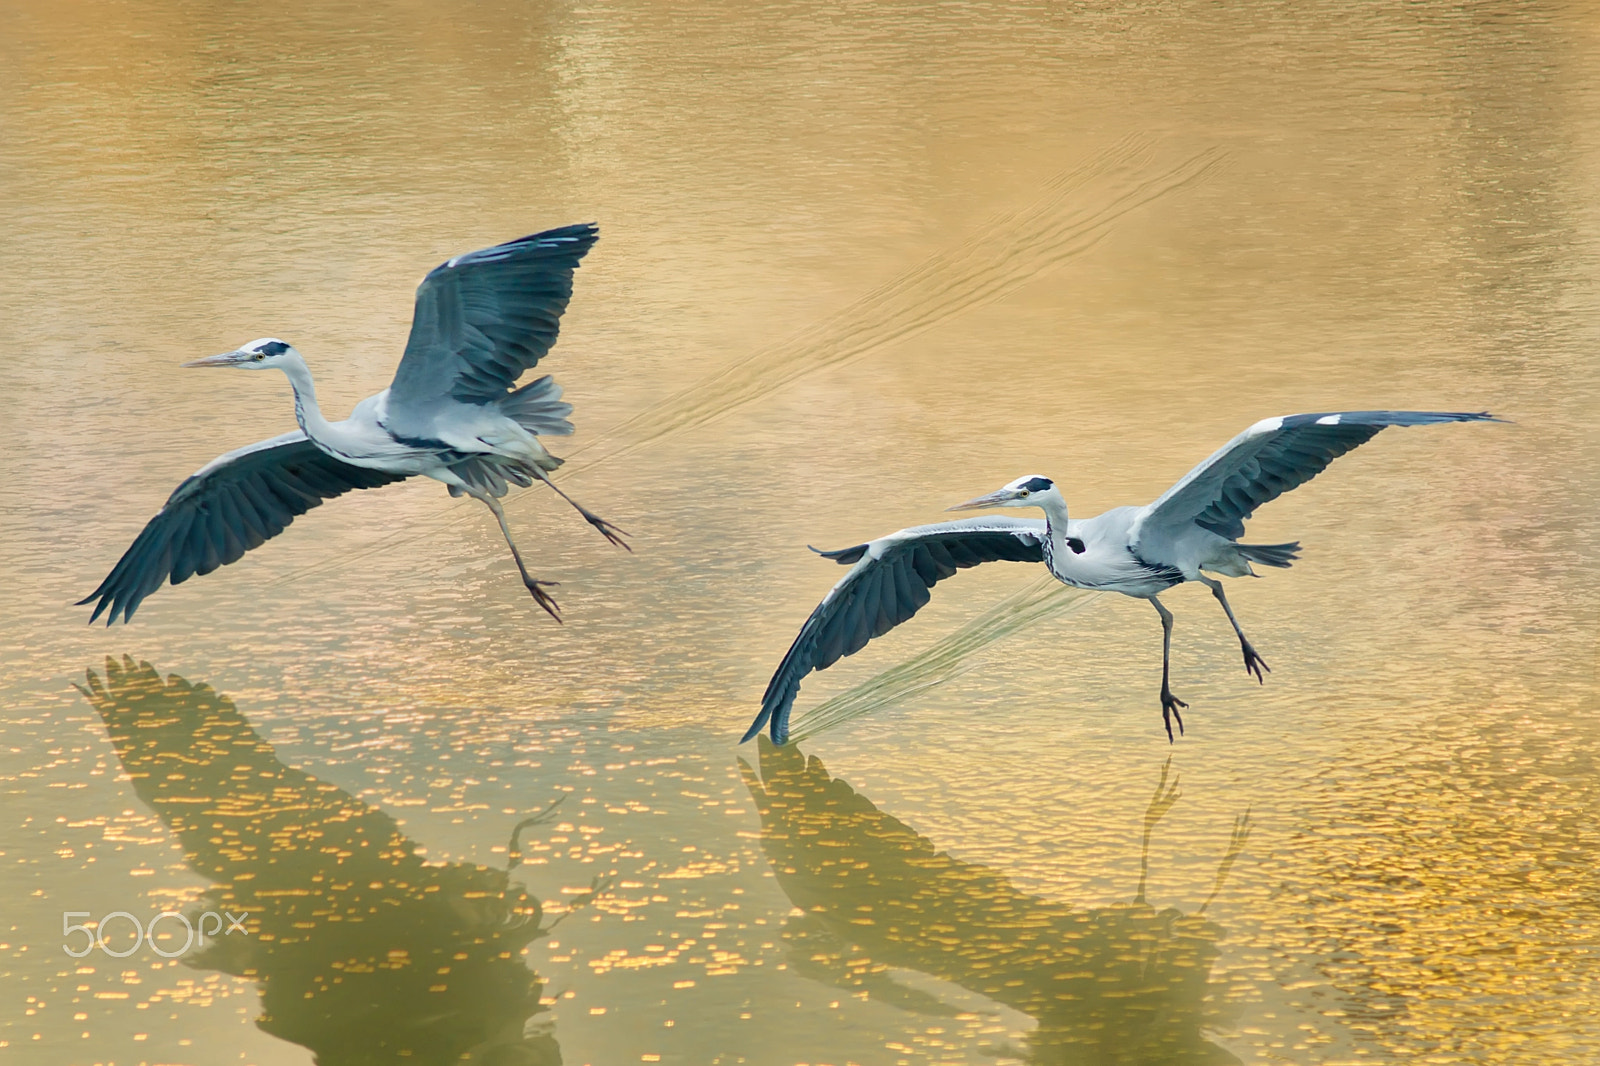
1037 484
273 348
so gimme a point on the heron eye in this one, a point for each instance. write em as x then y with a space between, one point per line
259 357
1024 492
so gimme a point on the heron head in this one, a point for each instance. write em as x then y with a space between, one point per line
257 355
1030 491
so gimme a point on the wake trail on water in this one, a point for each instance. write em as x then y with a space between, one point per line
1075 211
948 659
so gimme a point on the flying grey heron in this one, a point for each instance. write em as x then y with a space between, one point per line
451 414
1137 551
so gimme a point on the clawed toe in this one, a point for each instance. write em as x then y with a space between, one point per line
1169 711
543 598
1255 664
611 533
607 530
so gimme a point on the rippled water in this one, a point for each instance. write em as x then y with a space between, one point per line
858 262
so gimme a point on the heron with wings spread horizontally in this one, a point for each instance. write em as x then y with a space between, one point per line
1141 552
451 414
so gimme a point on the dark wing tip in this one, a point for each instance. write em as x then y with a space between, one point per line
755 726
564 241
1385 418
102 598
843 556
1425 418
779 698
1462 416
584 233
576 229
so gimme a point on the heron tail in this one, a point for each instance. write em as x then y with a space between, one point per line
1282 555
537 408
488 474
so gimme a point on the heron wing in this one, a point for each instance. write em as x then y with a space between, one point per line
484 318
889 582
1267 460
234 503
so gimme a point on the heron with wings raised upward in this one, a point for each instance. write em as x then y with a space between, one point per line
452 414
1138 551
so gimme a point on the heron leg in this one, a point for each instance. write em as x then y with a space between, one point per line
540 596
607 530
1253 663
1169 702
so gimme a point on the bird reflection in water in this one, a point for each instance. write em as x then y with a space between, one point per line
362 952
1123 984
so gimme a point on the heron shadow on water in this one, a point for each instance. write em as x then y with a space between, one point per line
453 413
363 952
1124 984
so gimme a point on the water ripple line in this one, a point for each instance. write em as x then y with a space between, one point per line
1074 214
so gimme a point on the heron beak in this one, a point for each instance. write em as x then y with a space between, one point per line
994 499
233 358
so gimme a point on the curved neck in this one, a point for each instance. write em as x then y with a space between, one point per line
1055 513
306 411
1057 553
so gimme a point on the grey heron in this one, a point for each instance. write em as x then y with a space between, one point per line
452 414
1138 551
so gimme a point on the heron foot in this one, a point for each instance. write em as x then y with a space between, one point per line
1169 711
1254 664
607 530
543 598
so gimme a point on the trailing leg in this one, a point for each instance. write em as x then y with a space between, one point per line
1169 702
1253 663
536 587
607 530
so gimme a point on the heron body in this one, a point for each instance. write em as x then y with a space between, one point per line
451 414
447 444
1190 532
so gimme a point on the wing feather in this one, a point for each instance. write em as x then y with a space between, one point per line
483 319
890 581
188 551
236 503
868 599
204 536
1267 460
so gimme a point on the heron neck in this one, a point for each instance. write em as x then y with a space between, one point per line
306 411
1055 515
1055 520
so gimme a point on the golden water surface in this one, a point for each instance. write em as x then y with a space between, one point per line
858 261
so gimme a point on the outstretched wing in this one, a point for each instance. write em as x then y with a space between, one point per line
1266 461
234 503
484 318
889 583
